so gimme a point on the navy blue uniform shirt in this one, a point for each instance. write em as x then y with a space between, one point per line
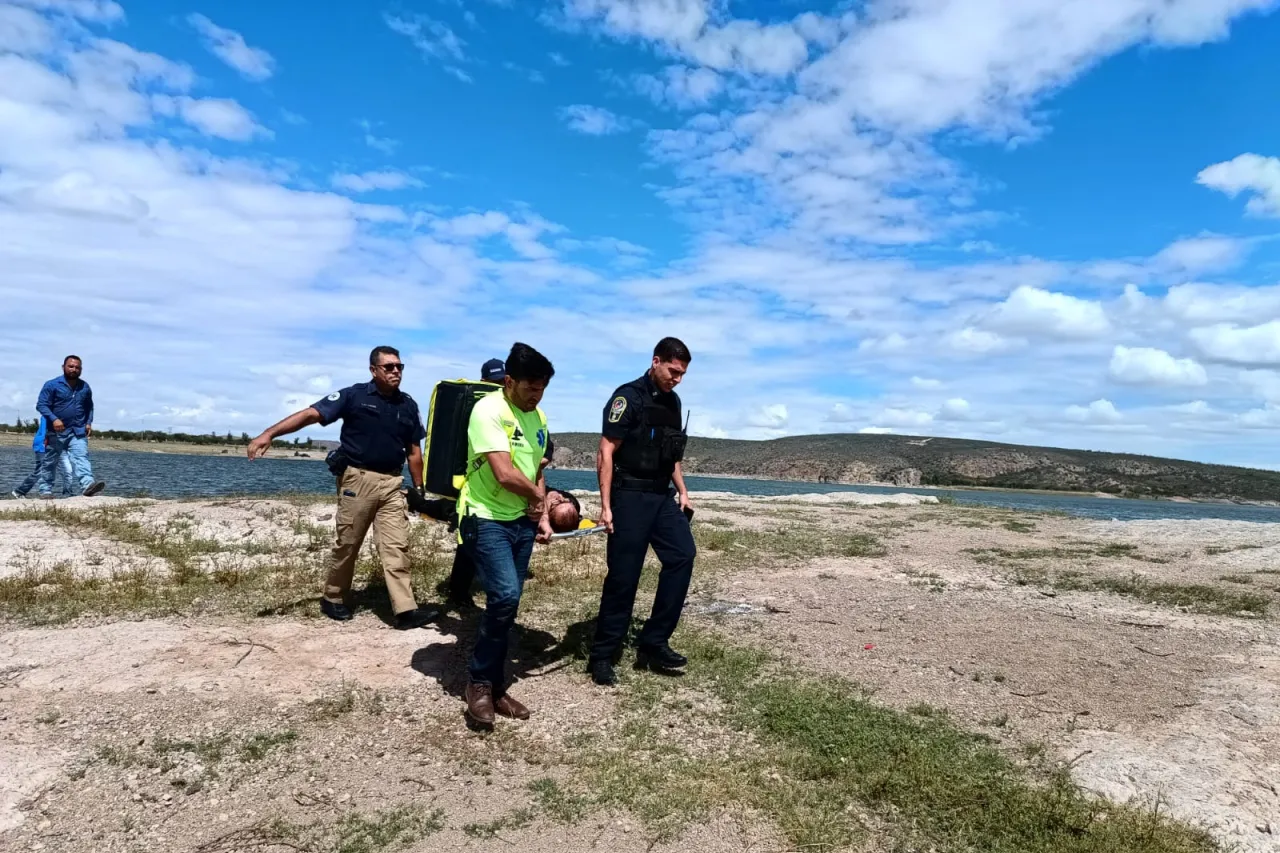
377 431
626 406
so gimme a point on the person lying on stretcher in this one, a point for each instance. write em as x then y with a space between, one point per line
563 510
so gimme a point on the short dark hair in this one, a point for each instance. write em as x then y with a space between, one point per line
526 364
672 349
377 351
76 357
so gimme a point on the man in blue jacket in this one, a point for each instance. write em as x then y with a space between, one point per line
67 403
38 442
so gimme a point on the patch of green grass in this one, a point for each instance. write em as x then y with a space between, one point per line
800 541
1214 550
1241 579
210 750
258 745
1195 598
386 830
556 802
1019 526
518 819
823 763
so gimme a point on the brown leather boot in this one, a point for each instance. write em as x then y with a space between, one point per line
480 705
508 707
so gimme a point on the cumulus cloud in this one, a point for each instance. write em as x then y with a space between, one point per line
680 86
1033 312
772 417
955 409
1101 411
593 121
978 341
925 384
220 117
1149 366
229 46
1248 173
1249 346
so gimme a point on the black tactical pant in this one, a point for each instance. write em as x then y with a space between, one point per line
641 519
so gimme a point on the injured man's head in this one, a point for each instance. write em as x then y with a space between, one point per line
563 511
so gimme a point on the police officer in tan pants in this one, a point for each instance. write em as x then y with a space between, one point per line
381 429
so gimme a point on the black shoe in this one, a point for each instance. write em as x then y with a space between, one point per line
339 612
461 603
602 673
416 618
94 488
660 658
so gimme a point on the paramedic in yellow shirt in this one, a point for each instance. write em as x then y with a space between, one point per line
501 511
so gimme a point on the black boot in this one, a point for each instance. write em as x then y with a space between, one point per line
602 673
660 658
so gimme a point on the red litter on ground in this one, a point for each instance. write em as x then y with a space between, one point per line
868 647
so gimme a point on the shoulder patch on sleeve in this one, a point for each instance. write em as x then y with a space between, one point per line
335 396
616 410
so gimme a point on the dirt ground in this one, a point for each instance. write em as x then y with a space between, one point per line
210 730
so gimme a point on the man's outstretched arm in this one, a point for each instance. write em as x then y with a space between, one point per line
291 424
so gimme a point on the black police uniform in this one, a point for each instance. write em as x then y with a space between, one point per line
645 512
377 431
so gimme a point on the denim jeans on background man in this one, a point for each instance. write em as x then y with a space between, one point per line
32 478
65 446
501 554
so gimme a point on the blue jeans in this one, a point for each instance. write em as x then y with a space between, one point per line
32 478
65 446
501 554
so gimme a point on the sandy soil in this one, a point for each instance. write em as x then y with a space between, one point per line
1145 700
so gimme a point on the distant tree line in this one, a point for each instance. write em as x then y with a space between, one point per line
212 438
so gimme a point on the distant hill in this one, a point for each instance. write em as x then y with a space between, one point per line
914 461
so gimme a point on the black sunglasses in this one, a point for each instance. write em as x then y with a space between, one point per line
395 367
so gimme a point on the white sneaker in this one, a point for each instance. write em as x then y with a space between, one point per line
16 496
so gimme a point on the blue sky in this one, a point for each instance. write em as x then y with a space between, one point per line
1022 220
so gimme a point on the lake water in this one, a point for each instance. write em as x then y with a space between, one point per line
165 475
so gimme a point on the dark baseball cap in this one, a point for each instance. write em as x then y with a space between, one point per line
493 370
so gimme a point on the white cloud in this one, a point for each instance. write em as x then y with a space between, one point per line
593 121
384 180
1249 173
229 46
873 430
955 409
978 341
841 150
772 417
1098 412
558 59
435 40
680 86
1148 366
687 27
841 414
80 193
1206 253
903 417
1250 346
220 117
384 144
1035 312
925 384
1201 304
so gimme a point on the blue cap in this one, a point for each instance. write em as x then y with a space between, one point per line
493 370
